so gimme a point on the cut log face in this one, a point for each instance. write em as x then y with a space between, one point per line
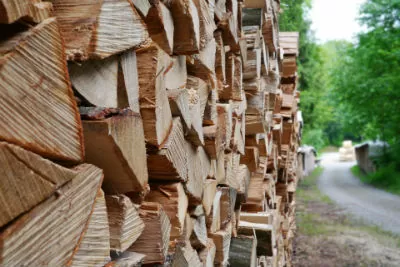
186 26
176 75
155 238
51 233
125 224
179 103
203 64
94 247
171 161
116 144
43 116
26 180
222 240
174 201
161 26
264 234
250 158
153 98
12 10
243 251
101 33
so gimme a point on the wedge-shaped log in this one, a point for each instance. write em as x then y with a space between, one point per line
186 256
259 217
207 255
91 29
174 201
39 111
161 26
219 57
210 111
243 178
202 65
243 251
176 76
179 104
254 124
210 189
116 144
198 238
255 103
125 224
171 161
112 82
195 133
27 179
237 141
186 26
12 10
154 107
207 24
264 234
214 219
252 69
234 87
50 234
222 240
94 247
256 195
250 158
155 238
198 169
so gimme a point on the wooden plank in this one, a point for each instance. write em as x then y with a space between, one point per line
36 123
161 26
170 161
154 240
94 247
154 108
101 34
125 224
27 179
116 144
174 201
36 11
52 232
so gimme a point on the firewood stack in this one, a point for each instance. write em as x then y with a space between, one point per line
141 132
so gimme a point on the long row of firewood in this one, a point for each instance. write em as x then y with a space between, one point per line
147 132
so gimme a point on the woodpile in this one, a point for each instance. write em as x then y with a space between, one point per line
141 132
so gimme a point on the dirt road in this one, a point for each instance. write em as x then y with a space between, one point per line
365 202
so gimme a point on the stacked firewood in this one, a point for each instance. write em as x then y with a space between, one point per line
146 132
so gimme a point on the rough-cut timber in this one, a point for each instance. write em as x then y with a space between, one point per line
38 111
50 234
12 10
125 224
116 144
91 28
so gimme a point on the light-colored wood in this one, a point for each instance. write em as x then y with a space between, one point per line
255 103
116 144
264 234
198 238
179 104
154 240
101 33
186 256
94 247
259 217
39 111
127 259
219 57
12 10
254 124
252 69
255 195
243 178
207 255
234 87
160 25
207 24
202 65
210 189
250 158
176 75
170 162
222 240
243 251
186 26
26 180
214 219
225 123
198 169
142 6
195 133
210 111
125 224
51 233
174 201
227 205
154 107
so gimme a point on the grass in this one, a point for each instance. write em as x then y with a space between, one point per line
386 178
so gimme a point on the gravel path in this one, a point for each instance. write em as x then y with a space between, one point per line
372 205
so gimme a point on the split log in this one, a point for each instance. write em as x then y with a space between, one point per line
51 233
225 123
222 240
161 26
198 238
125 224
198 169
195 133
210 189
253 37
127 259
254 124
214 219
270 31
219 57
186 256
186 26
35 11
238 141
255 195
199 91
116 144
250 158
207 24
101 33
202 65
243 178
227 204
259 217
207 255
174 201
210 111
44 120
153 99
111 83
264 234
94 247
176 76
170 162
154 240
27 179
255 103
142 6
179 104
252 69
243 251
234 87
252 85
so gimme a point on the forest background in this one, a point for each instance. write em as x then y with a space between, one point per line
351 90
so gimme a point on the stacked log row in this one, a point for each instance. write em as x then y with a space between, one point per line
156 133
